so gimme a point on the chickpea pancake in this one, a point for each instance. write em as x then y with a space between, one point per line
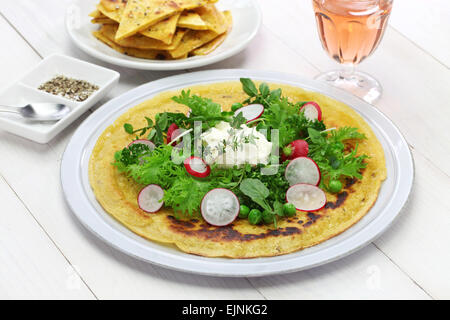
117 193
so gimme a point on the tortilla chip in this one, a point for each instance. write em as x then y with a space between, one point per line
103 21
164 30
100 18
113 5
141 14
96 14
214 18
193 39
192 20
138 53
139 41
115 15
212 45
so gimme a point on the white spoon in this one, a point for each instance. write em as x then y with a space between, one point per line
39 111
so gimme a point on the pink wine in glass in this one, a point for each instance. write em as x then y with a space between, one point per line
350 30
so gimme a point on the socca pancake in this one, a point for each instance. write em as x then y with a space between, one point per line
117 193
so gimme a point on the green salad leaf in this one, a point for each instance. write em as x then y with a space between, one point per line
150 167
334 150
256 190
185 195
131 155
279 113
328 150
199 106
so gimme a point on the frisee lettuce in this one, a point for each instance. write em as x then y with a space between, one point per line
328 150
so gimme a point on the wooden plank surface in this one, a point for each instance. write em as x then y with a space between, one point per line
426 24
406 262
31 266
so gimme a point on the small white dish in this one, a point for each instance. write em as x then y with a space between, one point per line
26 91
246 23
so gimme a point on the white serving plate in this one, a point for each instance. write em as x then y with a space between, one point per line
25 91
393 194
246 23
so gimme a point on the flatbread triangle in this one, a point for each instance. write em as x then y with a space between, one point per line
141 14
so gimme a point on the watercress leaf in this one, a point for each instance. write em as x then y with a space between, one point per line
128 128
149 122
278 208
254 189
249 87
159 137
144 131
162 121
275 94
152 134
264 89
315 136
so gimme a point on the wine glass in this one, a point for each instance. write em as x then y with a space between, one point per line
350 31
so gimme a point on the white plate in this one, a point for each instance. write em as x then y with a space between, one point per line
246 23
25 91
393 194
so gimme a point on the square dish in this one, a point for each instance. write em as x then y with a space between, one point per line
26 91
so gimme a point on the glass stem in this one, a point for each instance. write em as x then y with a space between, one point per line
348 71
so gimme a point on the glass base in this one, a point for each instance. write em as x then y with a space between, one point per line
358 83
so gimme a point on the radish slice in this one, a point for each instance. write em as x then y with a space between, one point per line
178 134
148 143
251 112
312 111
150 198
220 207
306 197
302 170
170 132
197 167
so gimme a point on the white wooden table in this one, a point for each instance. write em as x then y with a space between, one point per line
46 253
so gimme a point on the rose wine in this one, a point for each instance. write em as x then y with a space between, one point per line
350 30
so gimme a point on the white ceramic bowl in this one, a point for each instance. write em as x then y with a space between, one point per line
246 23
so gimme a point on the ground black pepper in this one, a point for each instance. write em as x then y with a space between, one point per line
73 89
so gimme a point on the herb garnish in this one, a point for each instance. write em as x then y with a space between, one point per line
327 149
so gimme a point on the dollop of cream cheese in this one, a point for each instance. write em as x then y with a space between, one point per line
230 147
